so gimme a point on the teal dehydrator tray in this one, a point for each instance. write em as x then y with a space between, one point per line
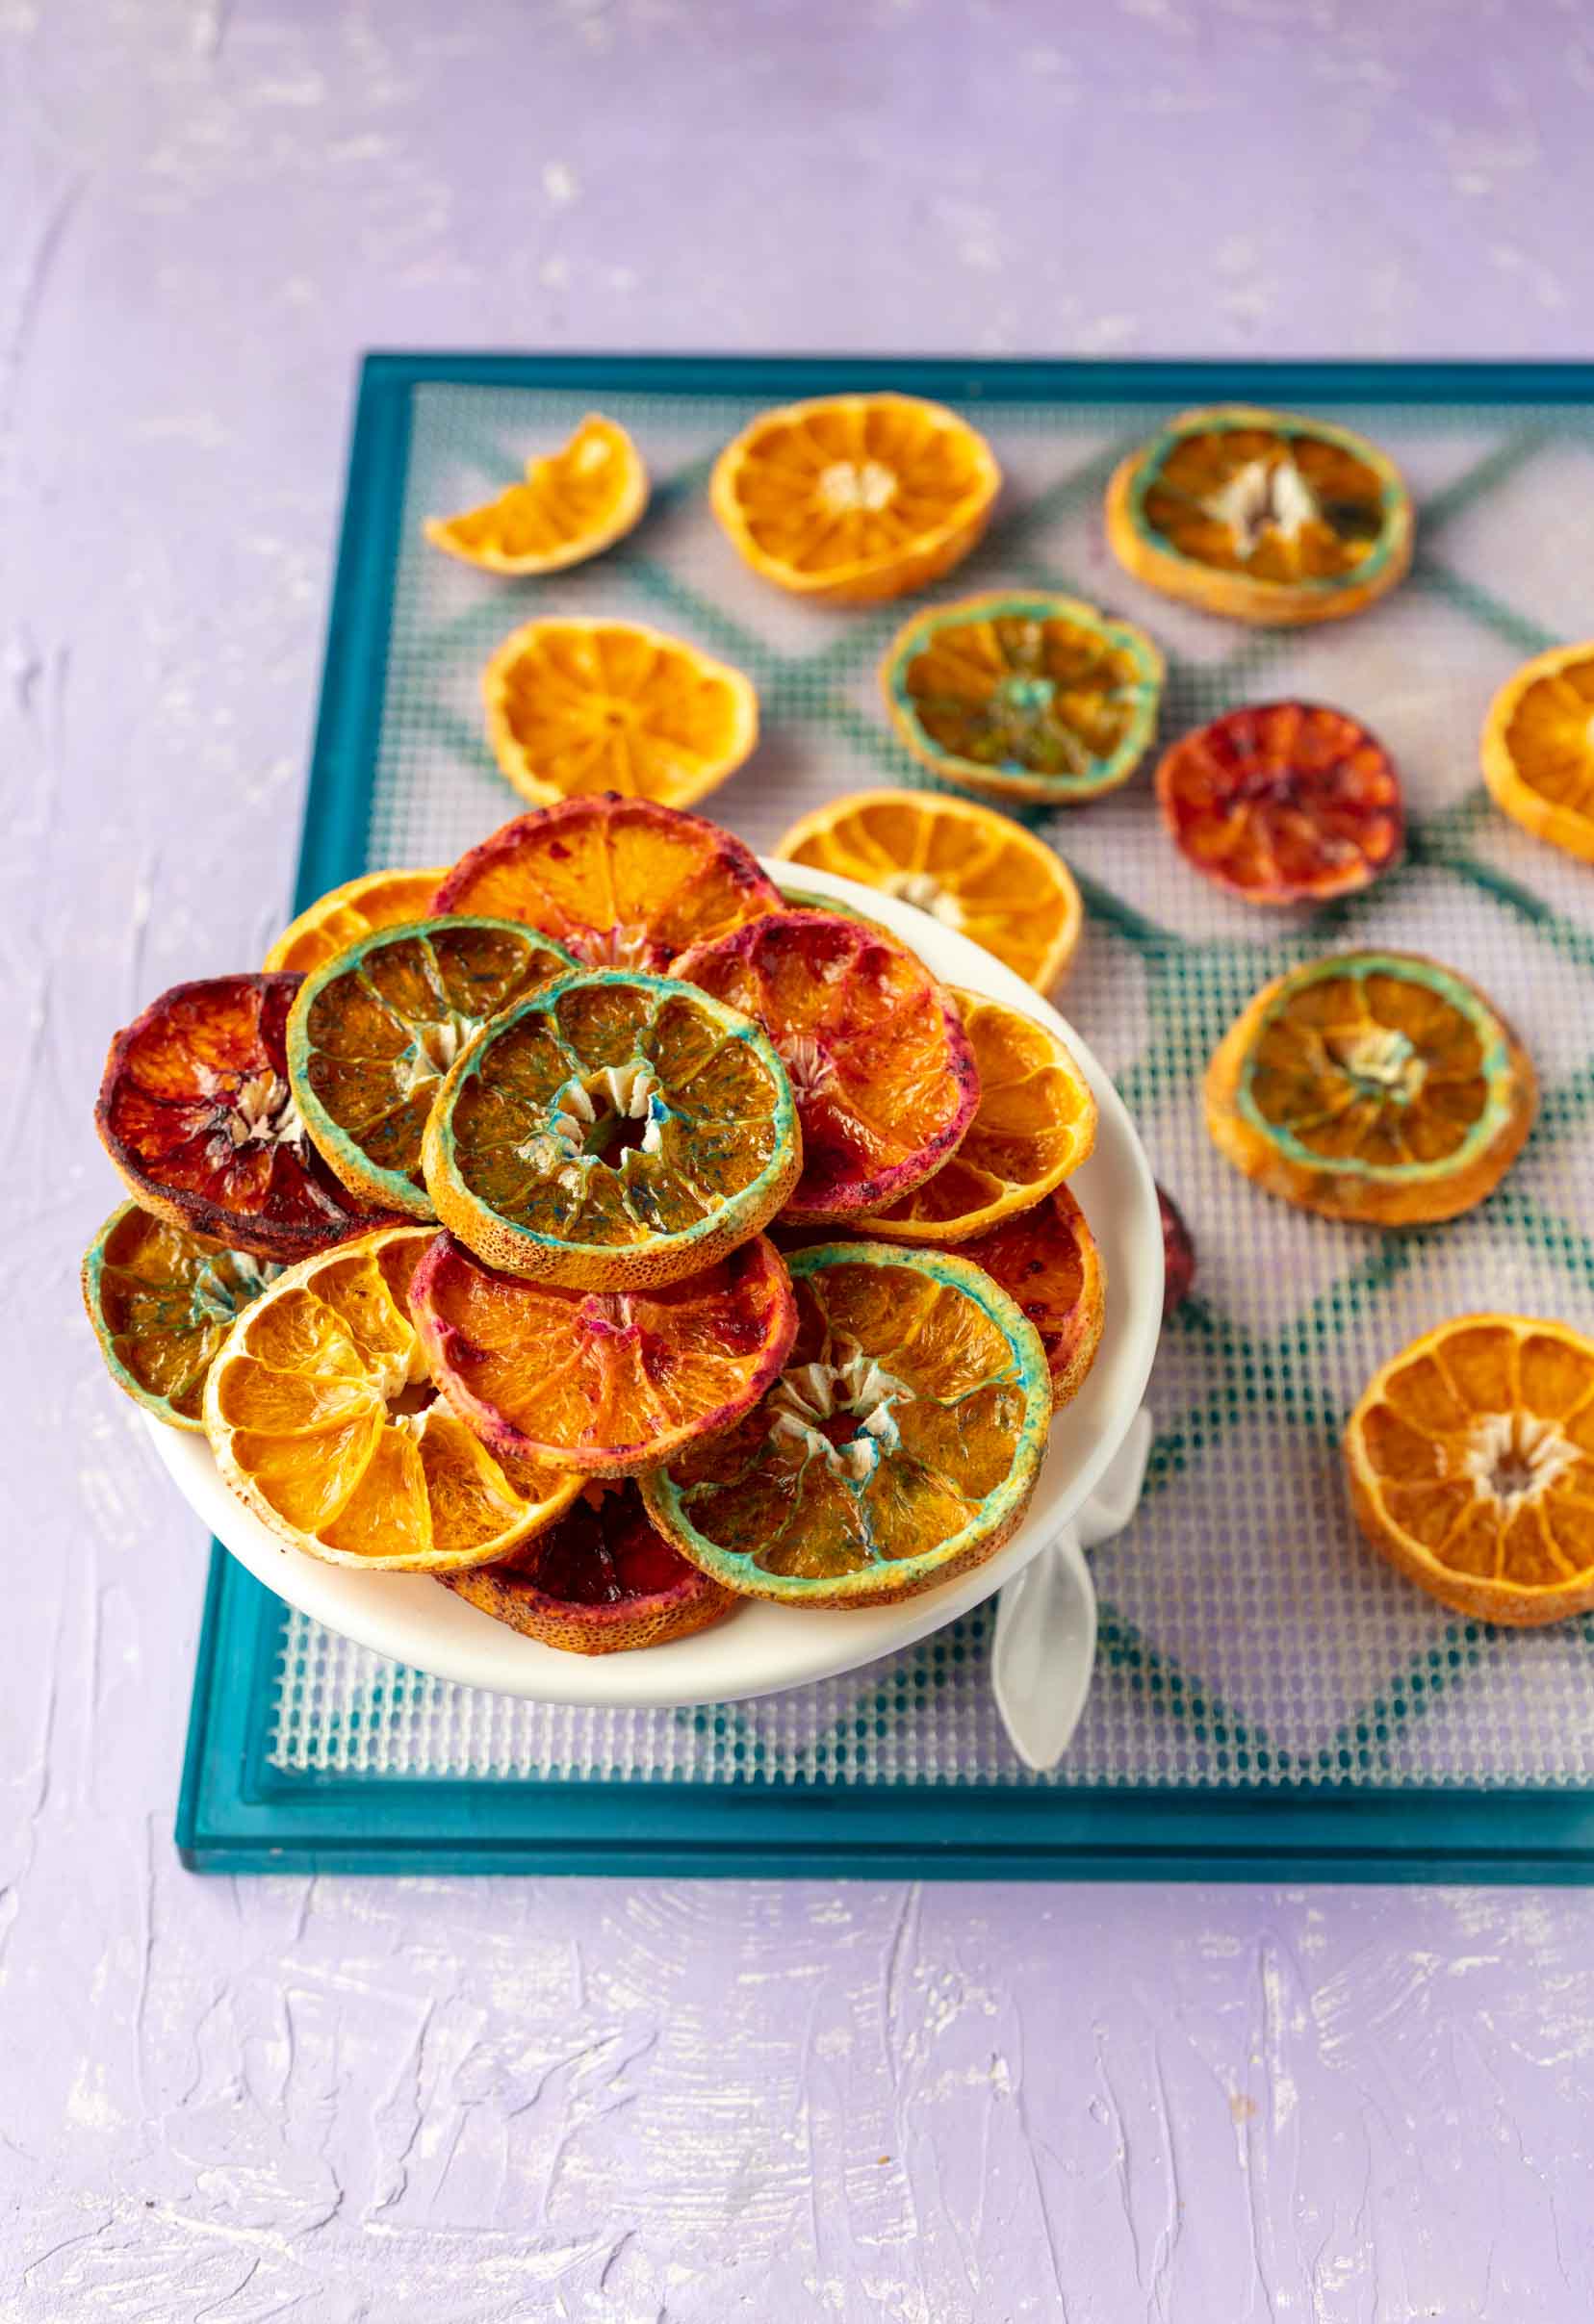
1269 1700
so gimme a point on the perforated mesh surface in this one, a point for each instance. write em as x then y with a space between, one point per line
1248 1638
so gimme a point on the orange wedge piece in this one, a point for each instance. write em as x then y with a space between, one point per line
1538 747
344 914
574 503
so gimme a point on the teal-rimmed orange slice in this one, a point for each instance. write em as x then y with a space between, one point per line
162 1301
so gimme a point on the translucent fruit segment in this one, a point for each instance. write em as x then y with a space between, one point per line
1048 1261
344 914
160 1301
573 504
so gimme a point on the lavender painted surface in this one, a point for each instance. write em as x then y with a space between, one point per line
336 2099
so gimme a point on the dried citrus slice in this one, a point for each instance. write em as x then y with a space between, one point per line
579 709
1372 1086
196 1112
1538 747
606 1382
324 1423
1047 1261
899 1447
574 503
372 1033
1471 1459
617 1130
1025 695
967 866
851 498
160 1301
1283 802
882 1070
622 882
602 1580
1261 516
1178 1255
344 914
1036 1122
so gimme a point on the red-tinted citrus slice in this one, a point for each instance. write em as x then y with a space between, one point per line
573 504
602 1580
197 1114
622 882
882 1070
344 914
372 1033
1047 1261
1283 802
1178 1255
610 1383
613 1131
1538 747
899 1447
162 1301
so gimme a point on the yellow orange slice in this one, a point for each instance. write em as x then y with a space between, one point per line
574 503
1538 747
344 914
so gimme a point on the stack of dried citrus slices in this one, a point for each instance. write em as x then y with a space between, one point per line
605 1235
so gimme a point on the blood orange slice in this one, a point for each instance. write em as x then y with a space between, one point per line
344 914
1046 1260
574 503
602 1580
1283 802
162 1301
612 1383
1178 1255
622 882
883 1071
197 1114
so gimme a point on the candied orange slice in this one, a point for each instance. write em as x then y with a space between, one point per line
967 866
606 1382
372 1033
344 914
197 1114
615 1132
324 1423
162 1301
851 498
1036 1122
1471 1460
1048 1261
1025 695
1372 1086
1538 747
579 709
622 882
1261 516
1178 1255
574 503
1283 802
602 1580
899 1447
882 1070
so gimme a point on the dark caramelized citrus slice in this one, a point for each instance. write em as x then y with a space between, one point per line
1178 1254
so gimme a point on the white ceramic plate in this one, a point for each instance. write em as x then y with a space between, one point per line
761 1648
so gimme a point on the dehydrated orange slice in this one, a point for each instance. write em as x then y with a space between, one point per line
1538 747
344 914
579 709
1471 1459
622 882
1372 1086
196 1112
1262 515
1024 695
615 1132
610 1383
372 1033
162 1301
1036 1122
1283 802
851 498
1047 1261
602 1580
899 1447
324 1423
1178 1255
882 1070
968 867
574 503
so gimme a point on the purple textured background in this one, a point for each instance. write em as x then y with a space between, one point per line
335 2100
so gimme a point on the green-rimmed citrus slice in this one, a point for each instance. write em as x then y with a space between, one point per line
613 1131
1372 1086
344 914
162 1301
324 1423
1261 516
606 1382
1047 1260
900 1444
1024 695
372 1033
